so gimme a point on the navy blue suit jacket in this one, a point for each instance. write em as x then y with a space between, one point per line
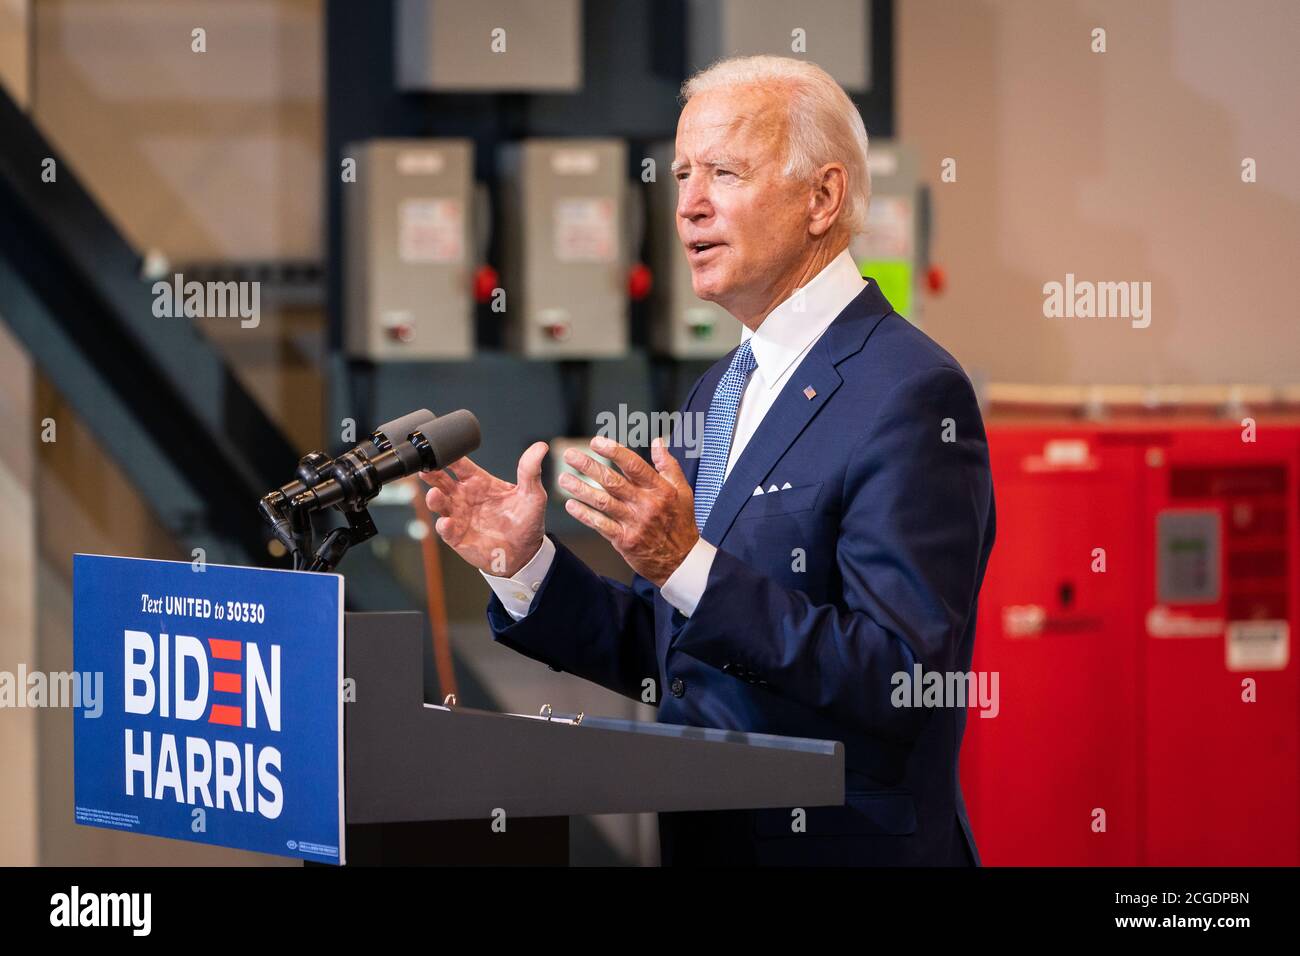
870 562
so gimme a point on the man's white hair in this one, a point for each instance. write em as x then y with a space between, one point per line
825 126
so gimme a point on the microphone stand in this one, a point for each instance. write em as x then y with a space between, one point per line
360 527
278 508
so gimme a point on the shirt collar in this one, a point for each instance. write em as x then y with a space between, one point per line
797 322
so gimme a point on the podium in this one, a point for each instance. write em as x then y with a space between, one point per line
425 783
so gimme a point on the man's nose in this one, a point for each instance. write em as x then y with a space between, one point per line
693 200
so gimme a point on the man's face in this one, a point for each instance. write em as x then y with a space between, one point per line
743 222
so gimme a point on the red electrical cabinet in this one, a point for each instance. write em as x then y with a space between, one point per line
1139 608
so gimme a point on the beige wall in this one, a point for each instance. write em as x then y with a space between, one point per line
202 155
14 62
1116 166
18 740
211 156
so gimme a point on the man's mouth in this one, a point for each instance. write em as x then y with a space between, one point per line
700 249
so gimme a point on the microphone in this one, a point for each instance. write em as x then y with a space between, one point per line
418 441
355 477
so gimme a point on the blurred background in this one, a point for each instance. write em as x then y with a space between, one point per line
439 214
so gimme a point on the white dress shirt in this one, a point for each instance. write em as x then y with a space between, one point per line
782 340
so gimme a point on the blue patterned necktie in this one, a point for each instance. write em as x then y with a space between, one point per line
718 429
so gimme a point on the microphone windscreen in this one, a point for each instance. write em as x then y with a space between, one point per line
452 436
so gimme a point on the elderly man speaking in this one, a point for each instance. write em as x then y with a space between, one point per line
830 536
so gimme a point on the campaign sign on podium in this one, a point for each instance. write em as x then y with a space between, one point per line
223 709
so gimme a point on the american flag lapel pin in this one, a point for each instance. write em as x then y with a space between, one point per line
810 393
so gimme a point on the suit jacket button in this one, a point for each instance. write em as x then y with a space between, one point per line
678 687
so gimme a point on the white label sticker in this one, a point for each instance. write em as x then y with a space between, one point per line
882 162
1023 620
431 230
1258 645
585 230
420 163
1162 622
574 162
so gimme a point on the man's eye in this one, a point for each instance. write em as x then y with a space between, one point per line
681 177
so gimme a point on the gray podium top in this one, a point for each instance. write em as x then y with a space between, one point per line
407 760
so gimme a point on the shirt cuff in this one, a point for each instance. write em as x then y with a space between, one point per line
686 585
516 593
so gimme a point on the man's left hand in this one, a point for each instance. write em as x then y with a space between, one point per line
647 514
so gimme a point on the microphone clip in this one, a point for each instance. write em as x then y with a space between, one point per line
288 513
360 527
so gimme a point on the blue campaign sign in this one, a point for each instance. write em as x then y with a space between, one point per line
223 712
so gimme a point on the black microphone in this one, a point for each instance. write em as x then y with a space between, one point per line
355 477
419 441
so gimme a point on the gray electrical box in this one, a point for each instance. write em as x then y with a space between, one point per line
565 247
892 251
1188 556
409 241
834 34
489 45
683 325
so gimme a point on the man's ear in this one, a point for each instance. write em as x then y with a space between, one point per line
827 201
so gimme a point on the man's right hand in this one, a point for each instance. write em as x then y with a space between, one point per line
494 525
